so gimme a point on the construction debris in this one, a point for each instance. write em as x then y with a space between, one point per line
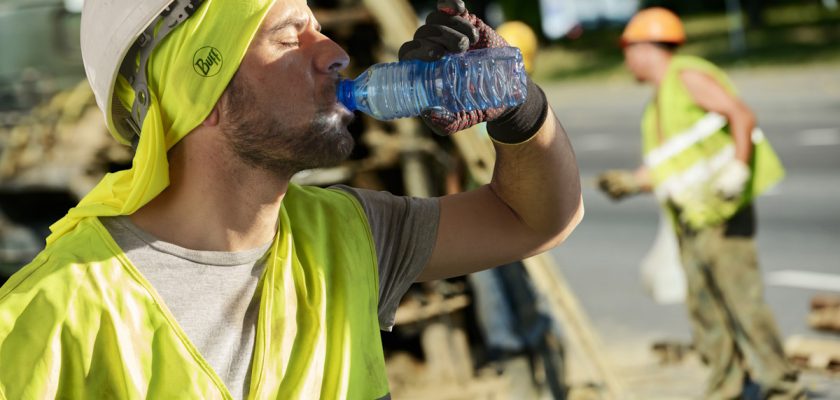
825 313
671 352
61 144
814 353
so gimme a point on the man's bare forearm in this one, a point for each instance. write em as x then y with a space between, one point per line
741 124
540 182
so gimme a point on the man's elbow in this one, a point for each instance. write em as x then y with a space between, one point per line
748 117
565 226
742 115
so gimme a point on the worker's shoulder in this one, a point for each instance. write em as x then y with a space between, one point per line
316 193
88 242
69 284
333 197
313 208
64 262
684 62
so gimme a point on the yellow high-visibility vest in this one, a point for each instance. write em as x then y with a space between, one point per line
81 322
685 146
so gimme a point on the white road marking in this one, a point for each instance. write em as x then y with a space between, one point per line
819 137
594 142
804 280
774 191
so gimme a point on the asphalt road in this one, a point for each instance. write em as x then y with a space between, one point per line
799 221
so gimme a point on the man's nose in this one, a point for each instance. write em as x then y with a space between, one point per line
331 58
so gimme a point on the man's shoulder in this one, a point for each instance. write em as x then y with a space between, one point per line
682 63
332 200
88 242
63 265
315 195
689 59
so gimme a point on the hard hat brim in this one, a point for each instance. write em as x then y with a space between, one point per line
104 47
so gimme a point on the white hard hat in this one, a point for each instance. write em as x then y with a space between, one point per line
109 30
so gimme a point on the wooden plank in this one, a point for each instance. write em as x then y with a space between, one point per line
549 281
814 353
397 21
413 312
447 353
345 17
483 388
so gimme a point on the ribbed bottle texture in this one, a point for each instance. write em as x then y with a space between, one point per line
475 80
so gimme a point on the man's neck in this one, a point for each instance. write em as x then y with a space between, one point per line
214 202
660 68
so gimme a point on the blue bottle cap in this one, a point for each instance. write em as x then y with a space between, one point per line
345 94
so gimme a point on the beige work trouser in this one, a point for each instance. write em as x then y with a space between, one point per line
733 328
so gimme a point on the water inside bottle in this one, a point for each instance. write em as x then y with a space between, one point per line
476 80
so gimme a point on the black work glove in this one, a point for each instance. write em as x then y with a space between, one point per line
452 29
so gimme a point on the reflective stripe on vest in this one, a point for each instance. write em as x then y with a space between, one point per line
684 182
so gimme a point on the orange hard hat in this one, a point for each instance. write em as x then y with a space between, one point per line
654 24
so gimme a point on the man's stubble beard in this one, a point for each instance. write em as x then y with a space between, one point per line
272 143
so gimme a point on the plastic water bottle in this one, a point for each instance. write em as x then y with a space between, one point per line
475 80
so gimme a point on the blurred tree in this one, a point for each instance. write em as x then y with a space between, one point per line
527 11
685 7
755 13
753 8
477 7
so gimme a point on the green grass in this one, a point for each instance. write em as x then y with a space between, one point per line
792 35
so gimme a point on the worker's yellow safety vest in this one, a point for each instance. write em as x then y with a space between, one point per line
80 321
685 147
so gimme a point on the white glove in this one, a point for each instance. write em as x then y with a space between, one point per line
731 180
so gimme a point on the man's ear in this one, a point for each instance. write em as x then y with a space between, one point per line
213 118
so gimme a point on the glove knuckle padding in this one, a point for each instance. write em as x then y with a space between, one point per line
451 6
428 31
421 49
439 120
487 37
451 40
455 22
407 49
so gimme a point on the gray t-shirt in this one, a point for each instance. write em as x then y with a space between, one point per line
212 294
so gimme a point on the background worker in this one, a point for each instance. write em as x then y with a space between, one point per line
706 163
202 272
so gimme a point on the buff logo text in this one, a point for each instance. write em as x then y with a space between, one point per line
207 61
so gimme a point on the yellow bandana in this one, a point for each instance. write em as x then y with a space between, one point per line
187 74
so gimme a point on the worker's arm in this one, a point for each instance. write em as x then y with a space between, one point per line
711 96
531 205
533 200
